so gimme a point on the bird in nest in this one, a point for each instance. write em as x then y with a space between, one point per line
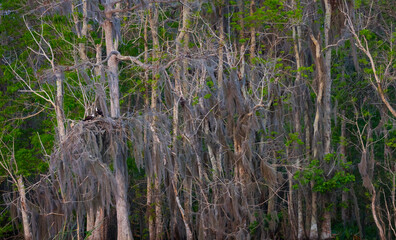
89 117
98 113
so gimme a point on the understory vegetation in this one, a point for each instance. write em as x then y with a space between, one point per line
209 119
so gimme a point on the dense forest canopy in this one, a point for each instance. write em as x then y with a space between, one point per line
208 119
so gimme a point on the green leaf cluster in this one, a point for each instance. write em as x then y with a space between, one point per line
315 173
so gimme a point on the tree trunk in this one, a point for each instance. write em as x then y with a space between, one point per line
123 226
377 221
121 176
90 222
150 208
221 48
24 210
112 62
96 224
252 51
308 149
182 41
297 105
343 160
149 198
60 117
242 48
357 213
84 30
322 134
153 20
313 233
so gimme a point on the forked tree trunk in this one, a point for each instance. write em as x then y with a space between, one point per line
123 226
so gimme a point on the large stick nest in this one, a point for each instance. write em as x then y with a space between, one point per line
85 161
93 150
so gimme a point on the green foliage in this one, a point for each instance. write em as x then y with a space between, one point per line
345 232
272 12
315 173
274 62
253 227
207 96
6 225
195 101
293 137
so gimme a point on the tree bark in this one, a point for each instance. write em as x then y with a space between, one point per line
323 108
121 176
153 21
376 217
343 160
242 48
313 233
297 106
221 47
252 49
112 63
24 210
60 117
182 41
357 213
316 141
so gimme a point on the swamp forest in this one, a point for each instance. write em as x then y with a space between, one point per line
198 119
